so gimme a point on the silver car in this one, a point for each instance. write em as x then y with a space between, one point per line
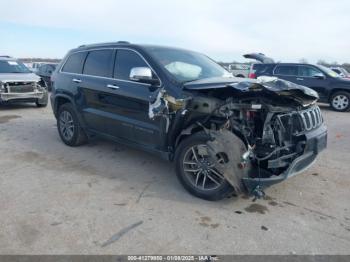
19 84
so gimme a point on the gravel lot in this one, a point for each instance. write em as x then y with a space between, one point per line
104 198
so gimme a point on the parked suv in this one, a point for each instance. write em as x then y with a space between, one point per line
330 87
224 134
19 84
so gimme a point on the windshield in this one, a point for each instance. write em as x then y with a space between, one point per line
13 66
187 66
328 71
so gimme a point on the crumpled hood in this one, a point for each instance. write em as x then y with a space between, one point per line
301 94
19 77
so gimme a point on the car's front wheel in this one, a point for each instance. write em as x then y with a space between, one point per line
42 102
69 127
197 172
340 101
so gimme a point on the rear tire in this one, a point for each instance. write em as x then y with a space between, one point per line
340 101
69 129
189 180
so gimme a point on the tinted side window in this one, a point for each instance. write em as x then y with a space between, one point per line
75 62
126 60
308 71
286 70
99 63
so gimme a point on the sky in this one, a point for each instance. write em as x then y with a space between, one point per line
223 29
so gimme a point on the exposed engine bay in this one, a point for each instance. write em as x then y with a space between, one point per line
260 127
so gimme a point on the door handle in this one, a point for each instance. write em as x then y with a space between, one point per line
113 86
75 80
300 79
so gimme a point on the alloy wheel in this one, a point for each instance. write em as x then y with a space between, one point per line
66 125
200 169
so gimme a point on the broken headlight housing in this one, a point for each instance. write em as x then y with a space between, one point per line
37 86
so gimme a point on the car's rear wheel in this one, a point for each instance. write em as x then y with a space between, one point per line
197 172
69 127
340 101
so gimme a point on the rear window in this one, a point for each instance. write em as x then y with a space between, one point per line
286 70
99 63
74 63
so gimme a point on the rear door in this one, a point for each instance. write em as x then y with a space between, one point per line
314 78
70 80
287 72
97 72
127 102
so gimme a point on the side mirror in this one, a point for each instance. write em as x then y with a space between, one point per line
143 75
319 76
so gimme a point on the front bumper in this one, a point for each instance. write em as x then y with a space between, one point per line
7 97
316 141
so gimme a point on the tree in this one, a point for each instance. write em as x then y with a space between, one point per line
322 62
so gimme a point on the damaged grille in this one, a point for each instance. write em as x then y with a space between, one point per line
311 118
20 87
301 121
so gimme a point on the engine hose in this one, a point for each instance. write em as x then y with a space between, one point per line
271 154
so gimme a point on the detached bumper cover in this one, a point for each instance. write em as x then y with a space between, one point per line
316 141
20 96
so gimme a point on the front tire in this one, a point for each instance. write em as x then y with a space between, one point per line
69 127
43 101
340 101
196 173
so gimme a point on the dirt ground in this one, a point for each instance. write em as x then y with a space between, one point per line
104 198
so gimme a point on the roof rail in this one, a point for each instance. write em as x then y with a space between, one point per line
99 44
5 56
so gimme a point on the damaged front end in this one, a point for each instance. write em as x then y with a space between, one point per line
264 131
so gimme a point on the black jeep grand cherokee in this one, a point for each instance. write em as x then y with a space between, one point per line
225 134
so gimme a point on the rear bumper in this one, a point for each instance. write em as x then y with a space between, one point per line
316 141
7 97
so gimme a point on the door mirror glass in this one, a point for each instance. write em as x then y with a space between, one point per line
143 75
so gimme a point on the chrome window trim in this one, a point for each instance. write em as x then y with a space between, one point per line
110 78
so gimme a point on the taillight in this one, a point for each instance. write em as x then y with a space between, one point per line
252 75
